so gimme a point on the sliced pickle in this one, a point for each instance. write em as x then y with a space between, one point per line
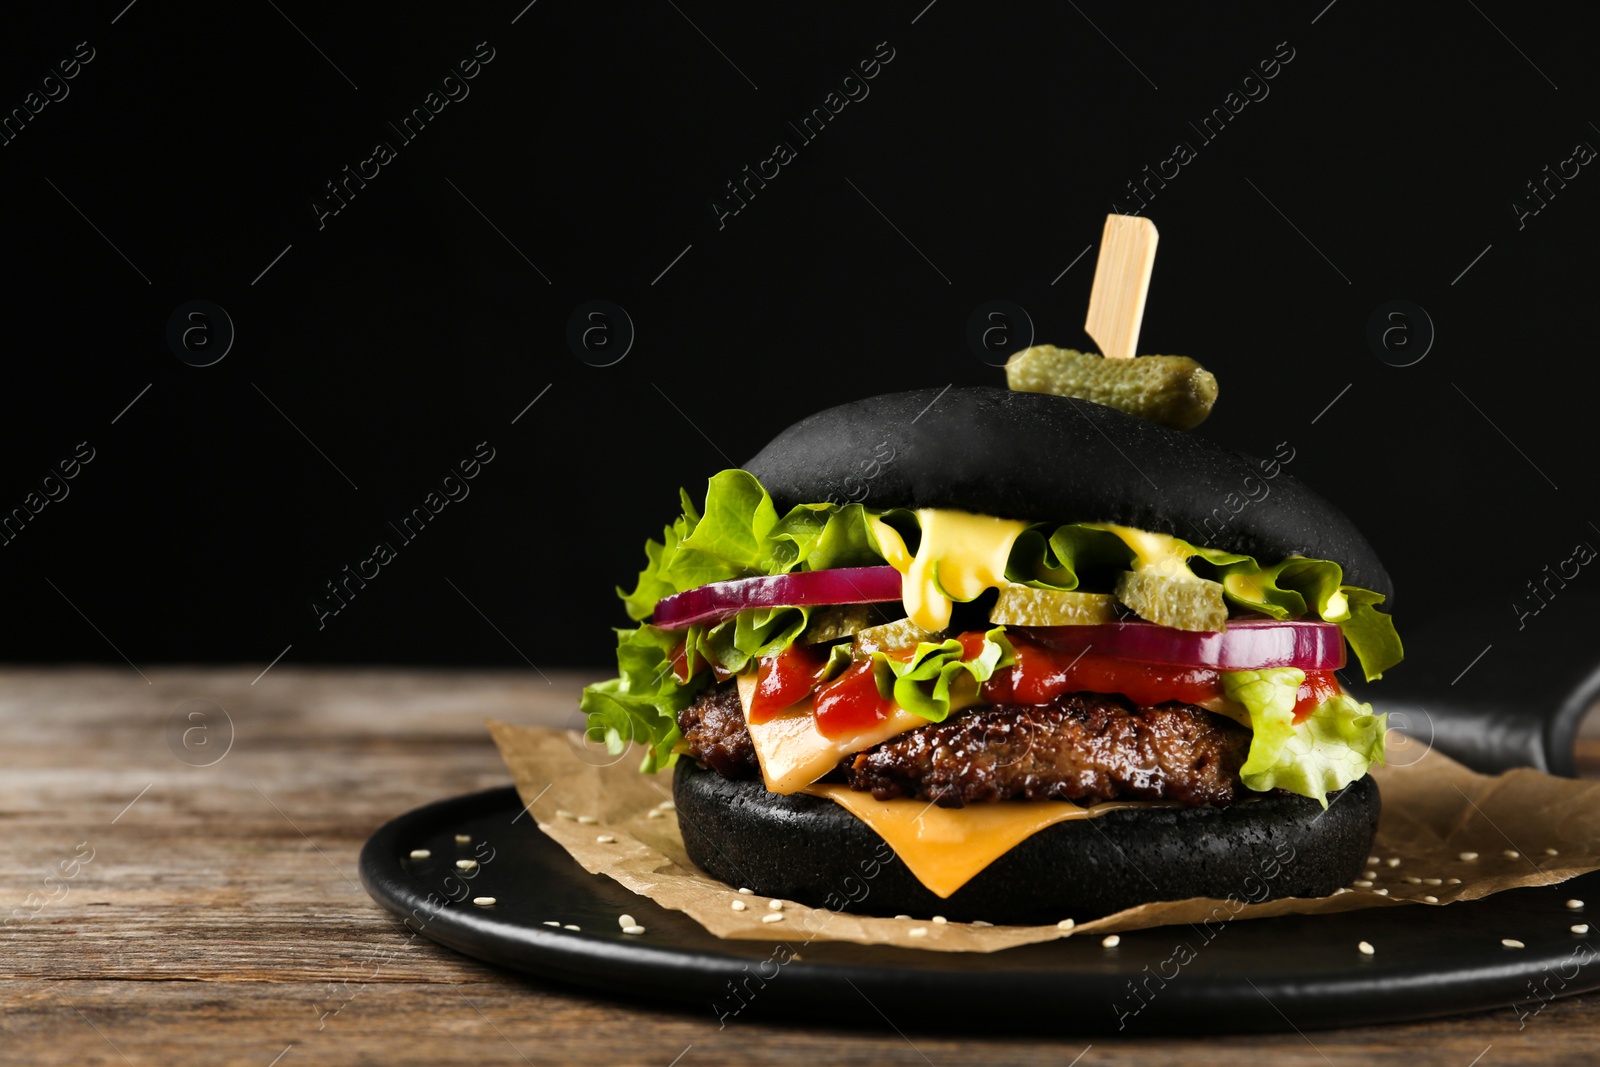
1172 390
830 624
1181 603
1021 605
894 637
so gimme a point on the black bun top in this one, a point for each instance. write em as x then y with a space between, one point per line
1045 458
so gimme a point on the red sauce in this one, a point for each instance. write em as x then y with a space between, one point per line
1318 686
850 703
1041 674
783 679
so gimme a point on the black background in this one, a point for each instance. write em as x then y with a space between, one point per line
409 326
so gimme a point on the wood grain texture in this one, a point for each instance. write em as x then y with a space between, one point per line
220 919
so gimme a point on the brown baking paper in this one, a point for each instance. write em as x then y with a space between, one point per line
1524 827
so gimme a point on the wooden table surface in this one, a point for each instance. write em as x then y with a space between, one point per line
212 914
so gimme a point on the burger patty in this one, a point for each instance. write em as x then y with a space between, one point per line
713 728
1080 746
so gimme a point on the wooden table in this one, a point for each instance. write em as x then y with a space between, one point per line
213 914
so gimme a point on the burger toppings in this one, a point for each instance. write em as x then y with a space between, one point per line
1119 653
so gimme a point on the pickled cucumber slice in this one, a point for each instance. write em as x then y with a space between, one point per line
1172 390
1181 603
830 624
894 637
1021 605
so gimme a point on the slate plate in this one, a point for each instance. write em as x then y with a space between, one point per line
1259 975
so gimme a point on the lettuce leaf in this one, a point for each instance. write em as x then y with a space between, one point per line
922 684
1067 557
642 703
1331 748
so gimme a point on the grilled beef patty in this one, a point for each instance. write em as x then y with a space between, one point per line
1080 746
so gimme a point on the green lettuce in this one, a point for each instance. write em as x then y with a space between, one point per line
1067 557
1327 751
642 703
921 684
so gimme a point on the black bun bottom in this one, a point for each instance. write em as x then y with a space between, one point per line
812 851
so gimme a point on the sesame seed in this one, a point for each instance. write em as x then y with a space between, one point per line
570 926
1581 929
551 922
1413 879
772 917
1361 883
1366 948
1552 852
483 902
655 813
635 930
918 931
738 905
1370 874
463 839
466 865
902 916
979 922
1393 861
775 905
563 813
1381 892
1341 889
1372 861
1452 881
1512 854
420 853
1469 856
625 920
1574 905
1433 881
1510 942
1431 899
1066 924
667 805
1110 941
746 892
587 820
606 839
940 919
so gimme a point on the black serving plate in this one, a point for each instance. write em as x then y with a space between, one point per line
1256 975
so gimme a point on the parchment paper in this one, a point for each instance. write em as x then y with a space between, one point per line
1526 828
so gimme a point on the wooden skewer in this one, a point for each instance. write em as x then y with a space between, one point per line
1121 282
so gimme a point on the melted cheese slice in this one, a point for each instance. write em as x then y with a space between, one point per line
946 847
959 556
793 753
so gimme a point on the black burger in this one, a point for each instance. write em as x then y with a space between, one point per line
1060 659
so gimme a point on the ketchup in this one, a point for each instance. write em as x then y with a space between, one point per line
783 679
1318 686
1041 674
850 703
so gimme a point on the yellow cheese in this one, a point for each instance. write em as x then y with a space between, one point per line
959 556
793 753
946 847
1155 553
